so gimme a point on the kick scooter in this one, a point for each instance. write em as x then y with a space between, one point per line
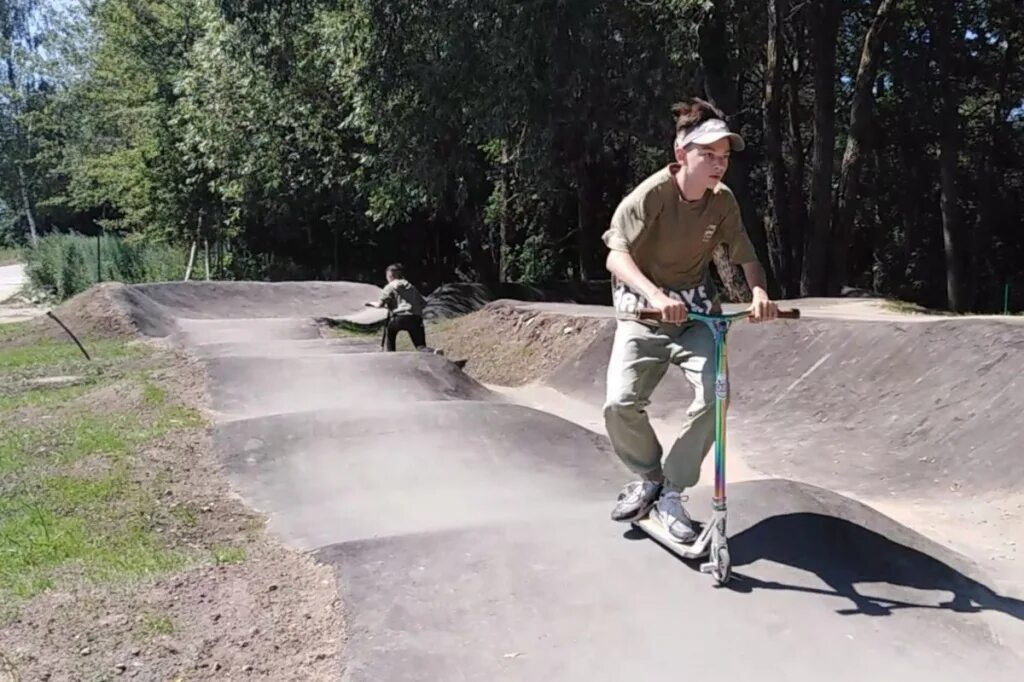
712 539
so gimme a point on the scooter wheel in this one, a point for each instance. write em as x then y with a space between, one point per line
723 567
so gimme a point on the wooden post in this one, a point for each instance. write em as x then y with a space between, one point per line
191 260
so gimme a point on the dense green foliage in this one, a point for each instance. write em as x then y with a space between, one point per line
492 141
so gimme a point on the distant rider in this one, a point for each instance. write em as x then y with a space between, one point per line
405 304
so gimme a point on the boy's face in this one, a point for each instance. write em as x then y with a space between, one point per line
705 164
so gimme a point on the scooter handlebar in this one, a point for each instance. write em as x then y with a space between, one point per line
655 314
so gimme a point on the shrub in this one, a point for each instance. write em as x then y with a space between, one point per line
66 264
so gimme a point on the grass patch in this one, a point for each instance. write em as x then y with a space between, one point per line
13 330
70 506
338 328
227 556
186 516
156 624
52 353
906 307
154 395
44 396
63 525
73 438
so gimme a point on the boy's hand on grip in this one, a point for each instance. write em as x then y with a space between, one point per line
672 311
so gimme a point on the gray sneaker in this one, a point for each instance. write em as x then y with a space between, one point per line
670 512
635 500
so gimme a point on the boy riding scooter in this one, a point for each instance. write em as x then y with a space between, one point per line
405 306
661 240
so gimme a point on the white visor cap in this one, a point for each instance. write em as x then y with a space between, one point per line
709 132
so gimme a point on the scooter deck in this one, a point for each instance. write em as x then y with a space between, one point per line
697 549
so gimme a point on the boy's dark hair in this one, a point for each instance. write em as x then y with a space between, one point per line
694 111
395 270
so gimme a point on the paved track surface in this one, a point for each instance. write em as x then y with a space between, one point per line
470 535
12 278
879 406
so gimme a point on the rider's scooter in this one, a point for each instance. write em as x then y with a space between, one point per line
712 538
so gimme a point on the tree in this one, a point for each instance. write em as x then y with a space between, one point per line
824 16
859 129
18 43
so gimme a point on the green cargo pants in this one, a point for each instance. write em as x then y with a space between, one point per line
640 357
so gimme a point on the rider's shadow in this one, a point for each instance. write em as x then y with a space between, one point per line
844 555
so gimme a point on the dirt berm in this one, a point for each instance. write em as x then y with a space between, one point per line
879 407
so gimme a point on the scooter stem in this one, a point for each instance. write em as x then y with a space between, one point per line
720 329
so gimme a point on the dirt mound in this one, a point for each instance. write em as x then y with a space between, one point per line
508 346
461 298
107 310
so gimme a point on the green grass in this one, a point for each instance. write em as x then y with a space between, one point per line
69 502
52 353
74 438
226 556
63 525
154 624
12 330
154 395
906 307
44 396
343 329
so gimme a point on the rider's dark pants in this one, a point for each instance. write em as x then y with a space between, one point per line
412 324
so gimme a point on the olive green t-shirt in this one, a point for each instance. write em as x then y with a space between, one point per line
672 240
402 298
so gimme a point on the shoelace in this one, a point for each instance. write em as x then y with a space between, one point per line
676 504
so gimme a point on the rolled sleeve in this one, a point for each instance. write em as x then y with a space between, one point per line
627 223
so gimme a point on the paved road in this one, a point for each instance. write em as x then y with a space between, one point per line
12 278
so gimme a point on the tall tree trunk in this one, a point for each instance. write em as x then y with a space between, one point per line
797 211
20 142
588 234
824 16
503 225
722 86
483 260
860 125
26 203
946 42
775 220
987 195
908 149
